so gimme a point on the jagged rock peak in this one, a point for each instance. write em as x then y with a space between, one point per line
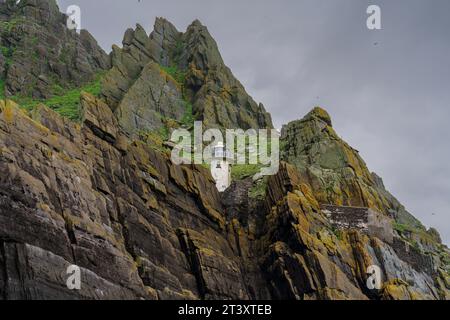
137 36
311 125
166 38
196 23
321 114
31 6
41 55
336 171
201 48
164 27
204 84
218 98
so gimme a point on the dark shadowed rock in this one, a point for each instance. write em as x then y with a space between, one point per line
98 117
2 67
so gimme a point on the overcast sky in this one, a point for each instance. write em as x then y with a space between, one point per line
388 91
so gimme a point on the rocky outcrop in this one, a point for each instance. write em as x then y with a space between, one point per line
309 259
199 82
338 176
127 63
138 226
41 55
336 172
339 179
91 194
155 96
218 98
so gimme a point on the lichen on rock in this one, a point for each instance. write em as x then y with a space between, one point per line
100 194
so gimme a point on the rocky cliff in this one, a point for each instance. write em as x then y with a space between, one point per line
188 81
335 170
137 225
141 227
92 193
39 56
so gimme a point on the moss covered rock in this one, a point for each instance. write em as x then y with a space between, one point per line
42 54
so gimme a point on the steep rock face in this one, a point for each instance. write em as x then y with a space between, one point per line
219 99
336 172
128 62
194 62
303 256
138 226
311 260
150 96
40 55
338 176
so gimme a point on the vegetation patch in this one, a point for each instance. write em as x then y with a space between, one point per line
258 190
8 26
188 119
402 228
415 235
180 77
240 172
65 101
2 89
155 138
7 52
405 229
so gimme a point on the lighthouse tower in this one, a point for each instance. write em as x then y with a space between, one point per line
220 167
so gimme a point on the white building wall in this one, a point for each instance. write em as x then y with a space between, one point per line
221 172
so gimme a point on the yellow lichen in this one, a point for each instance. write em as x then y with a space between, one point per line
8 113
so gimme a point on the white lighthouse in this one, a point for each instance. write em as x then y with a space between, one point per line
220 167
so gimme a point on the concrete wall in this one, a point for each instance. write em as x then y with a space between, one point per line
365 220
